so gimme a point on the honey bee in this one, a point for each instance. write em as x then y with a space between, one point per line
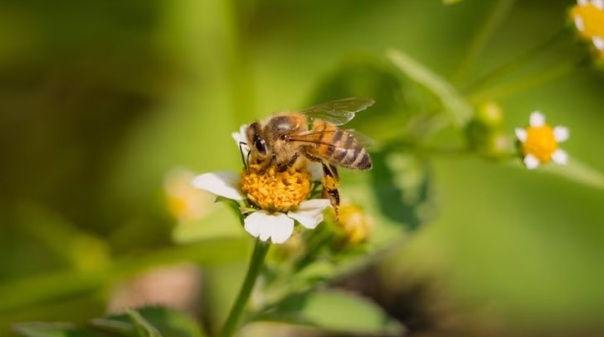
288 139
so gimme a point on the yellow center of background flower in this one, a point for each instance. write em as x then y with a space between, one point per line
540 142
355 225
276 191
592 18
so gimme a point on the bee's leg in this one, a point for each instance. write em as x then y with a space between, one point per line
266 165
330 186
282 167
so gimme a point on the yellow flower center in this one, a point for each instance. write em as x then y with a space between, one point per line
592 18
540 142
276 191
356 226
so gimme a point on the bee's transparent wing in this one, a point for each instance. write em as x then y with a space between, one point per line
311 137
360 138
338 112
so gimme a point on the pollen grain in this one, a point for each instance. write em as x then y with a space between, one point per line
276 191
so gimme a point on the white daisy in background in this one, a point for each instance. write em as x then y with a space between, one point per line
588 17
279 198
184 202
539 142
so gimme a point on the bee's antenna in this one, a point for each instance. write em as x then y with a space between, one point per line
243 159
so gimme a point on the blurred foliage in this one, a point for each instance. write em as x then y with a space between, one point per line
100 101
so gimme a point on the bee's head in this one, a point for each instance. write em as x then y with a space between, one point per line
256 142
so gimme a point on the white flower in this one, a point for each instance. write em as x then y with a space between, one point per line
540 142
277 226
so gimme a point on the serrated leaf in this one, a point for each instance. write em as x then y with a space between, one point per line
336 312
153 321
54 330
454 104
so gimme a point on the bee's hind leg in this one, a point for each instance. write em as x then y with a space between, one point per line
330 182
330 186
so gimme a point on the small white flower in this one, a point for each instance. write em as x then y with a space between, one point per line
276 226
539 142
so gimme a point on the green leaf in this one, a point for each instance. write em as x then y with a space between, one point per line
454 104
53 330
335 312
150 322
400 185
144 328
126 329
578 172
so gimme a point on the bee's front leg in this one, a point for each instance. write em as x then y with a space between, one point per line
266 164
282 167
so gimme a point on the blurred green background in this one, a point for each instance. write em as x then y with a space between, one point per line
99 100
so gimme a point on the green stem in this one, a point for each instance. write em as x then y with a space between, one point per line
517 62
523 84
480 40
256 263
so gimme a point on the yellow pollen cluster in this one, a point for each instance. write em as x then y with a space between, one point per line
276 191
540 142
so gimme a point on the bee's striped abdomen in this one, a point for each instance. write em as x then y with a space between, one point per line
341 148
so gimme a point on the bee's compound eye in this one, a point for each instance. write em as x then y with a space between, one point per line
260 145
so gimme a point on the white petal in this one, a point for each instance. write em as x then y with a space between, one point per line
598 3
582 2
561 133
560 157
521 134
278 227
531 162
310 212
579 23
316 171
537 119
598 42
241 139
224 184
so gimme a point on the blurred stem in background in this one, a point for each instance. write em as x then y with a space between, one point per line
491 23
517 62
524 84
